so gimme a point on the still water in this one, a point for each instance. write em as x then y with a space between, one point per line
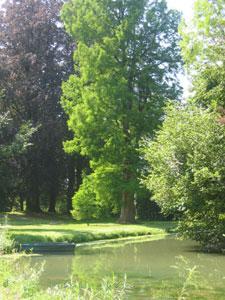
155 269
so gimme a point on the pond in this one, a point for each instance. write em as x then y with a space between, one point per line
155 269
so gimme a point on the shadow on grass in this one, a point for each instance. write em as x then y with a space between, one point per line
48 219
77 237
168 226
16 220
54 219
73 236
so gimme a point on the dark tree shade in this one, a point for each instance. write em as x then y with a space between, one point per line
13 143
35 56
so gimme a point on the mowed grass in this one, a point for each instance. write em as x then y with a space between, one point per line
28 229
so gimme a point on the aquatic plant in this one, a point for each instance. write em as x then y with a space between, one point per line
21 282
6 242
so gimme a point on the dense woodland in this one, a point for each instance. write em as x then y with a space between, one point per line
92 118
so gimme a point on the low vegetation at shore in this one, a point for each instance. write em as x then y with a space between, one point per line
15 284
23 282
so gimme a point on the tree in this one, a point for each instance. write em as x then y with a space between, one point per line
35 56
203 51
13 143
186 172
126 61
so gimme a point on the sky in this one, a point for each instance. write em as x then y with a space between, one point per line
186 7
183 5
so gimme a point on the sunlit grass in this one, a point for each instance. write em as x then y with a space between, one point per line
29 229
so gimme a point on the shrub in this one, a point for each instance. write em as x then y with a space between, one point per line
96 198
186 172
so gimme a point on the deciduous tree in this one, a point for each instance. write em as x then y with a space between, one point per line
35 56
203 51
126 62
186 172
13 143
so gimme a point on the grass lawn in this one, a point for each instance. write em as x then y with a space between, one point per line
26 229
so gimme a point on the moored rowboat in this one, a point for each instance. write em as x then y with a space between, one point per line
47 247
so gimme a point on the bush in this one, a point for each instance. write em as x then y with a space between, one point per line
186 172
96 198
84 201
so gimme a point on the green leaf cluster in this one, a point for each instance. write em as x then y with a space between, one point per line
13 143
203 51
126 61
186 171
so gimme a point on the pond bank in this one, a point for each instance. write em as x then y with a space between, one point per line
26 229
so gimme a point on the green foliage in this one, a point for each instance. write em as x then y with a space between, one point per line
21 281
203 37
18 142
35 56
13 143
7 244
187 284
99 193
84 201
188 275
109 289
15 284
126 61
186 172
203 51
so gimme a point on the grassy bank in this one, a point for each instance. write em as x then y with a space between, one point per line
26 229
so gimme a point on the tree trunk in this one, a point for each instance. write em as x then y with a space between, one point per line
52 202
75 167
127 214
21 200
32 180
71 184
128 211
78 173
33 205
21 205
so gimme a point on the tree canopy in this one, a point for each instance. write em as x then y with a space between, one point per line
186 172
185 169
203 51
35 56
126 61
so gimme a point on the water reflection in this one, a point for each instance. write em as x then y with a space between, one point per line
155 269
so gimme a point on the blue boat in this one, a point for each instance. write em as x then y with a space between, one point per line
47 247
